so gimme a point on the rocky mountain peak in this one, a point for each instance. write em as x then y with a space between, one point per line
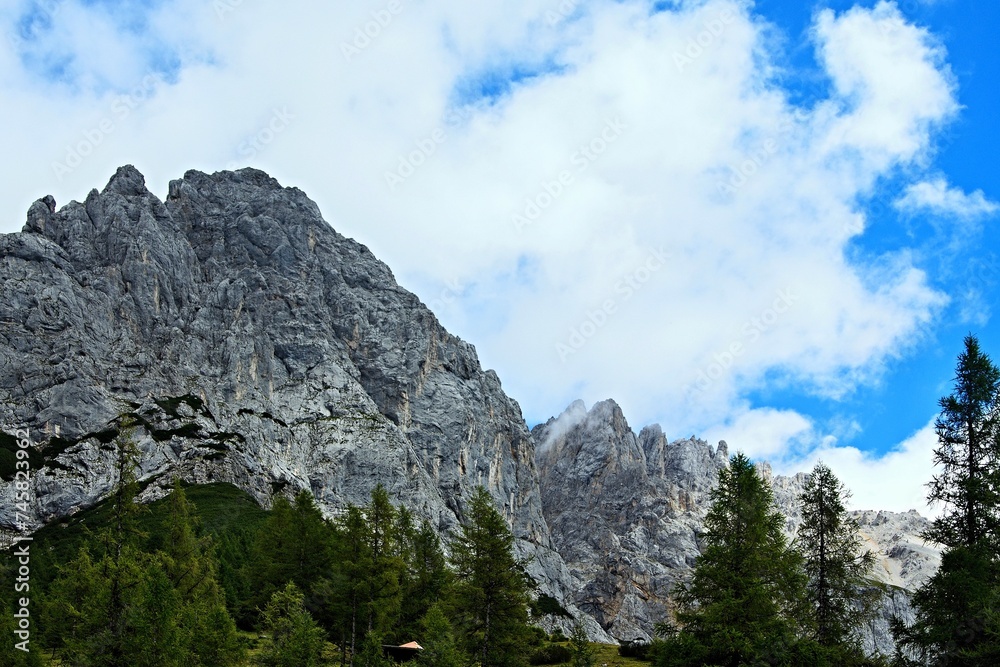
127 182
253 345
630 533
623 510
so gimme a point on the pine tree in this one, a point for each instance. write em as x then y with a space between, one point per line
383 581
348 587
123 568
295 544
840 594
956 608
746 599
438 640
428 578
70 604
491 592
293 638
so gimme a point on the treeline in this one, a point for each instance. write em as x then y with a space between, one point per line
756 599
292 589
289 587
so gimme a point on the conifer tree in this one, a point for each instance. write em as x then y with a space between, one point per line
293 638
838 590
580 648
383 581
746 598
957 622
968 454
348 588
440 648
428 577
208 633
491 591
295 544
121 609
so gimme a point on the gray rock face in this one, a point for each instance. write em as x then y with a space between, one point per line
625 512
255 345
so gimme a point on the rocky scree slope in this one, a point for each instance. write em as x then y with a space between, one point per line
626 512
253 345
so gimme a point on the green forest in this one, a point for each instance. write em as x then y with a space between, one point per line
205 576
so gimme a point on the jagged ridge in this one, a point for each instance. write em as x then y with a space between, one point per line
254 345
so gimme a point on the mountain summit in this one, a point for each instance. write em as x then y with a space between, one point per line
253 345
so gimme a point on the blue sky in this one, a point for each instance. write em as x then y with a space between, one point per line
771 223
889 410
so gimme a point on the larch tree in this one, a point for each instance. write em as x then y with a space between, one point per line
745 601
491 591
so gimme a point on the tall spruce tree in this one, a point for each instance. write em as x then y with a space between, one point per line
968 455
745 603
491 592
119 610
347 589
295 544
838 588
438 640
957 623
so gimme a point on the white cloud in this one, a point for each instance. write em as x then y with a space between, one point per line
764 433
937 197
707 161
894 480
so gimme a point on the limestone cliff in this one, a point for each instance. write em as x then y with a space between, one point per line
254 345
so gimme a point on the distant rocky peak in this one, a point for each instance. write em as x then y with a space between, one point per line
127 182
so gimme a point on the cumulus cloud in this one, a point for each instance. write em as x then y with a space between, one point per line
936 196
611 202
895 481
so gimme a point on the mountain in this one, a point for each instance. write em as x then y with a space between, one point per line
626 510
252 344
